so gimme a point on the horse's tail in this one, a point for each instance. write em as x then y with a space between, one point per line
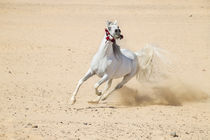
148 62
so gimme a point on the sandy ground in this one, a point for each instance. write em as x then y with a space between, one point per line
46 47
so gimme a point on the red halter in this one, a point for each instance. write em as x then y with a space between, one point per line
109 37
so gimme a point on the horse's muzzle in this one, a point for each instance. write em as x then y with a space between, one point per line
121 36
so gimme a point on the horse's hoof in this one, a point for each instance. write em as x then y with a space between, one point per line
104 98
93 102
99 93
72 101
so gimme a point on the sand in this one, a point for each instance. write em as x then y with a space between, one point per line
46 47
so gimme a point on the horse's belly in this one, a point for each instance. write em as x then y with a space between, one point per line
123 69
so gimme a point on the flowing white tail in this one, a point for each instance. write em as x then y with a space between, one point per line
149 59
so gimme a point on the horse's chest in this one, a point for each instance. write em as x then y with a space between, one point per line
99 66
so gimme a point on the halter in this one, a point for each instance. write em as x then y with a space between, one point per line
109 37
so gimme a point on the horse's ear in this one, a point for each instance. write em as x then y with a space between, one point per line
108 23
115 22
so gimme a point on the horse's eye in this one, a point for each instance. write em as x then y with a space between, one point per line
115 30
119 30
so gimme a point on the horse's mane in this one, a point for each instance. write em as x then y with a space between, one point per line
116 50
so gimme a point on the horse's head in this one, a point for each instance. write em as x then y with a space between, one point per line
114 29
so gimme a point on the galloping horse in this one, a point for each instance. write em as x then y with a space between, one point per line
111 62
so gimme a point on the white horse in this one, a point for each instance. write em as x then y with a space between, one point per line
111 62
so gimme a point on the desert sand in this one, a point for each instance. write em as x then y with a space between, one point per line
46 47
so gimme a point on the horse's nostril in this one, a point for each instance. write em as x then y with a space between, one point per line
117 30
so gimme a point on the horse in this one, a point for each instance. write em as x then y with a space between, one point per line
110 62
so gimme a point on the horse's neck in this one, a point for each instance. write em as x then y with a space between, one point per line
105 49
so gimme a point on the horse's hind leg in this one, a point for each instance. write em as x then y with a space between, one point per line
81 81
120 85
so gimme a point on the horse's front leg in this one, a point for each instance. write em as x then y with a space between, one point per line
108 85
96 86
81 81
101 81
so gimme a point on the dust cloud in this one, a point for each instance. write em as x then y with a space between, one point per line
174 94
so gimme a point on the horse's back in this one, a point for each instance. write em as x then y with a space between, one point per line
128 54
